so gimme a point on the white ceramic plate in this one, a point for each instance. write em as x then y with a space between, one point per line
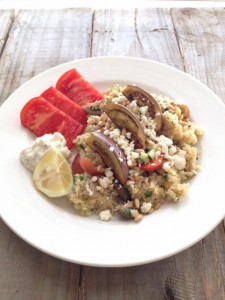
53 225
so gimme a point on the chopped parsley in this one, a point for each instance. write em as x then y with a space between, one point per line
78 177
81 146
165 176
127 212
176 199
148 194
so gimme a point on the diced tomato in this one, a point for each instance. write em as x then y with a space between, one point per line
65 104
41 117
75 87
76 168
88 166
153 164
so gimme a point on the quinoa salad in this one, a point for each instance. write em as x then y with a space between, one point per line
138 152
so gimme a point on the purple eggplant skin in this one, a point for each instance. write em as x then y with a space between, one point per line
123 193
111 153
133 92
123 117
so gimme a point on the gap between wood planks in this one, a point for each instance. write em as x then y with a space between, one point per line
81 287
92 29
4 39
178 44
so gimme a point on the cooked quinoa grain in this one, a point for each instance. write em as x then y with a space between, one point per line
158 172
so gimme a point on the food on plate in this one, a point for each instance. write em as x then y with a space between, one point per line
133 92
65 104
41 117
31 155
185 110
60 109
52 174
94 108
151 164
89 166
85 164
76 167
111 154
135 178
78 89
134 151
124 118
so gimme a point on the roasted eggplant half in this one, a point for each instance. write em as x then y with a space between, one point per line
111 154
124 118
133 92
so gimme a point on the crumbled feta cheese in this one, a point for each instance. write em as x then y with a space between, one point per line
105 215
172 150
134 155
157 153
94 178
111 148
150 132
115 133
179 160
88 189
144 109
134 213
145 207
119 99
106 132
108 173
128 135
103 182
31 155
129 162
163 140
145 120
166 166
164 143
133 104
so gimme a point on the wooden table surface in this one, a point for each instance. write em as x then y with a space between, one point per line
192 40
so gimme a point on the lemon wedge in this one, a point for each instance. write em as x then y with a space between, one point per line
52 175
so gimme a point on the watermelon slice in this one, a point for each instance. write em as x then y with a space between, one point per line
75 87
41 117
65 104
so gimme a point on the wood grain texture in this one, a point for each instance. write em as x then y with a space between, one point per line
27 273
146 33
6 19
42 39
201 38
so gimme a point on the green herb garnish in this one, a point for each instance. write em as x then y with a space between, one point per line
78 177
81 146
148 194
165 177
127 212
